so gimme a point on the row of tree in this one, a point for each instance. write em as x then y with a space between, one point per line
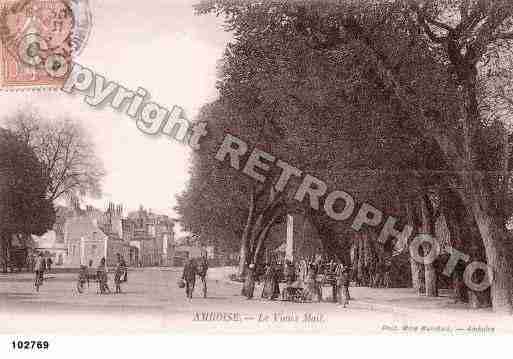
403 103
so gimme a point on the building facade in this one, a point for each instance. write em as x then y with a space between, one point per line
79 236
152 235
86 241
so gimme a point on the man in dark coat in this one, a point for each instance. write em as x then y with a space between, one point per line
49 263
120 272
189 276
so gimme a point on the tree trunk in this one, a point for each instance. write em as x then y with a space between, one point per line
243 255
431 280
430 276
492 235
249 279
368 258
354 260
248 288
414 266
4 251
262 237
244 246
415 275
8 252
494 239
458 286
361 261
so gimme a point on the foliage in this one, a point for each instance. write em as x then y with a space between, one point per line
24 207
65 151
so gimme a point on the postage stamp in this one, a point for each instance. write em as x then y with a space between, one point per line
62 26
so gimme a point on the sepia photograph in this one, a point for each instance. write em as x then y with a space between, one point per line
230 167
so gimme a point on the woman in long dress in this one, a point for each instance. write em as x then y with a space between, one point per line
275 276
268 282
303 271
311 286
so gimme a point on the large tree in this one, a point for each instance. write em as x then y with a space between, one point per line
411 74
24 206
461 35
314 105
286 98
65 150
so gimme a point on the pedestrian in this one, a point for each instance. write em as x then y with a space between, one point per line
202 269
271 289
303 271
120 272
318 266
189 276
267 289
82 278
39 268
30 264
124 279
49 263
290 277
289 272
343 284
312 292
90 272
102 277
331 279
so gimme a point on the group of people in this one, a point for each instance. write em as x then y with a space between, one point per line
87 273
39 260
303 279
120 274
194 267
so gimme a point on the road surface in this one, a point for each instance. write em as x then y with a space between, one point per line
153 303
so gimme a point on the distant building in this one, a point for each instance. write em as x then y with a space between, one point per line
86 241
143 238
152 235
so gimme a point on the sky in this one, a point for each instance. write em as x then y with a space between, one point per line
163 47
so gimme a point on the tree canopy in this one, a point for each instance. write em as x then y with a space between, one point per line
65 151
387 100
24 207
